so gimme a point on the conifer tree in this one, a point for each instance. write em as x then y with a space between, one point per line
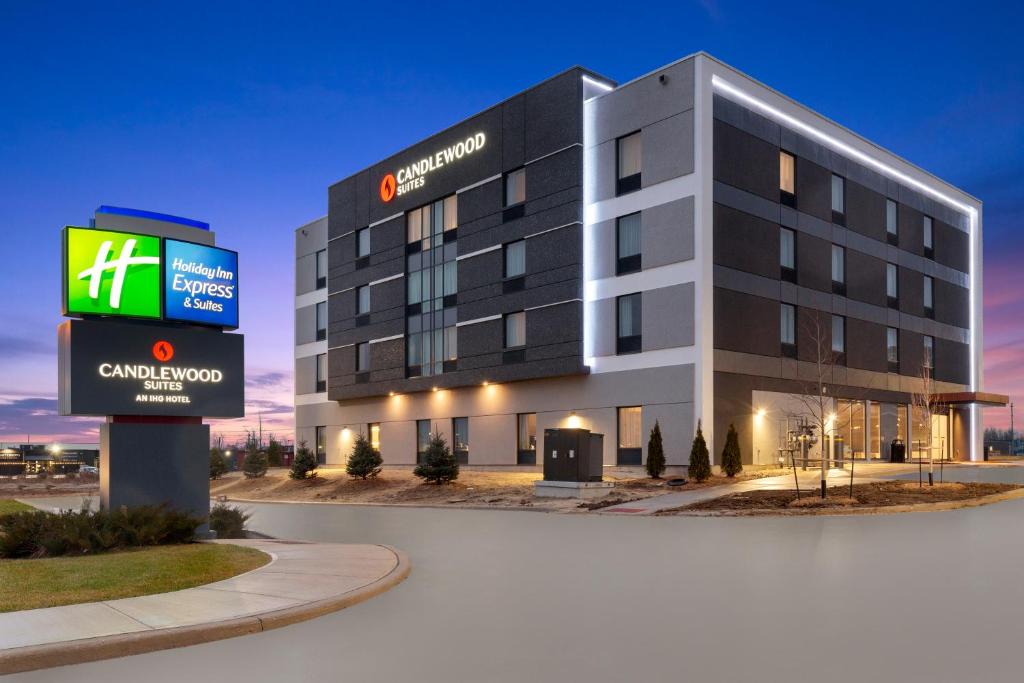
655 453
364 461
304 465
439 466
700 462
732 461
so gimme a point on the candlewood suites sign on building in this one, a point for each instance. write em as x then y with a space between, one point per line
413 176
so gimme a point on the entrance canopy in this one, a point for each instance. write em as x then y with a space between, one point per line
981 398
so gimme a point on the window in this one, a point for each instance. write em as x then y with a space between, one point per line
320 438
627 244
321 372
892 349
630 451
891 225
891 284
628 324
460 439
363 357
321 269
787 176
431 274
321 321
515 187
362 242
928 361
787 329
928 237
929 296
838 334
838 269
363 300
422 439
838 196
373 429
515 330
787 254
628 162
515 259
526 439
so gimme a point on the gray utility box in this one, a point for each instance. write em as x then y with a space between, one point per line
573 455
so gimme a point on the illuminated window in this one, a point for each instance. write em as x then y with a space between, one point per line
321 372
515 330
526 439
431 287
787 173
321 269
627 243
515 187
374 430
628 163
630 451
515 258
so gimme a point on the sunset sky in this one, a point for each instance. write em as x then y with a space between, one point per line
242 114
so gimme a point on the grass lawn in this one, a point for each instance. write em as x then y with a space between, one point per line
7 506
51 581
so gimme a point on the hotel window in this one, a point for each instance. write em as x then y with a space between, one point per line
431 287
362 242
515 259
373 429
320 438
787 178
515 330
891 224
928 360
422 439
787 329
363 300
515 187
460 439
363 357
526 439
929 296
630 451
628 324
838 199
321 269
891 285
928 237
628 155
838 334
787 254
627 244
838 269
321 321
892 348
321 372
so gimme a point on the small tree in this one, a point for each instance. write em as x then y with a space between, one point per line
304 465
439 466
275 452
364 462
255 465
700 462
218 465
732 461
655 453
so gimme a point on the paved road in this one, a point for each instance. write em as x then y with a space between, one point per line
527 596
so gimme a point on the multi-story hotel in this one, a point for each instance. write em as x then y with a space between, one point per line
688 246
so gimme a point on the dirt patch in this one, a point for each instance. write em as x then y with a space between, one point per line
871 495
22 487
496 489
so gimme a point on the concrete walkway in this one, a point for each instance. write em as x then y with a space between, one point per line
302 581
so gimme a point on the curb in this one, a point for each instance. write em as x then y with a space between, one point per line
941 506
51 655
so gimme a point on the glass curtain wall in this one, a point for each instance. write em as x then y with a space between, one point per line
431 288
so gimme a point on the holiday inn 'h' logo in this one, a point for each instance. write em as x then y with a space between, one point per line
111 273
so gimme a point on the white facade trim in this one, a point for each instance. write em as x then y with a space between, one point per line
317 296
477 184
474 321
310 399
557 303
679 355
551 154
678 273
310 349
478 252
385 220
557 227
384 339
389 278
653 195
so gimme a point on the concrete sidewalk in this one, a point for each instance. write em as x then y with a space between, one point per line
302 581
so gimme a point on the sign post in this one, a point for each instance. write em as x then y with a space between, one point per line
147 350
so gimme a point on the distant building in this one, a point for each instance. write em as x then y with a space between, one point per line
32 458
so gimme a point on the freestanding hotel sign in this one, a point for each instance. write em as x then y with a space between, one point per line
149 352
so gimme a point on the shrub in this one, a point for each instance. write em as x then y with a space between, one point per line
42 534
732 461
218 465
655 453
439 466
275 453
304 465
255 465
364 462
228 522
700 462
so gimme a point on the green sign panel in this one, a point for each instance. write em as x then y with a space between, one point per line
111 273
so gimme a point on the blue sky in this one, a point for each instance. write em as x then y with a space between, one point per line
241 114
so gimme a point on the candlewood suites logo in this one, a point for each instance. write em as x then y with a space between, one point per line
413 176
163 351
111 273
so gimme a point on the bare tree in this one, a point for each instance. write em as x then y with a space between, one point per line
924 403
